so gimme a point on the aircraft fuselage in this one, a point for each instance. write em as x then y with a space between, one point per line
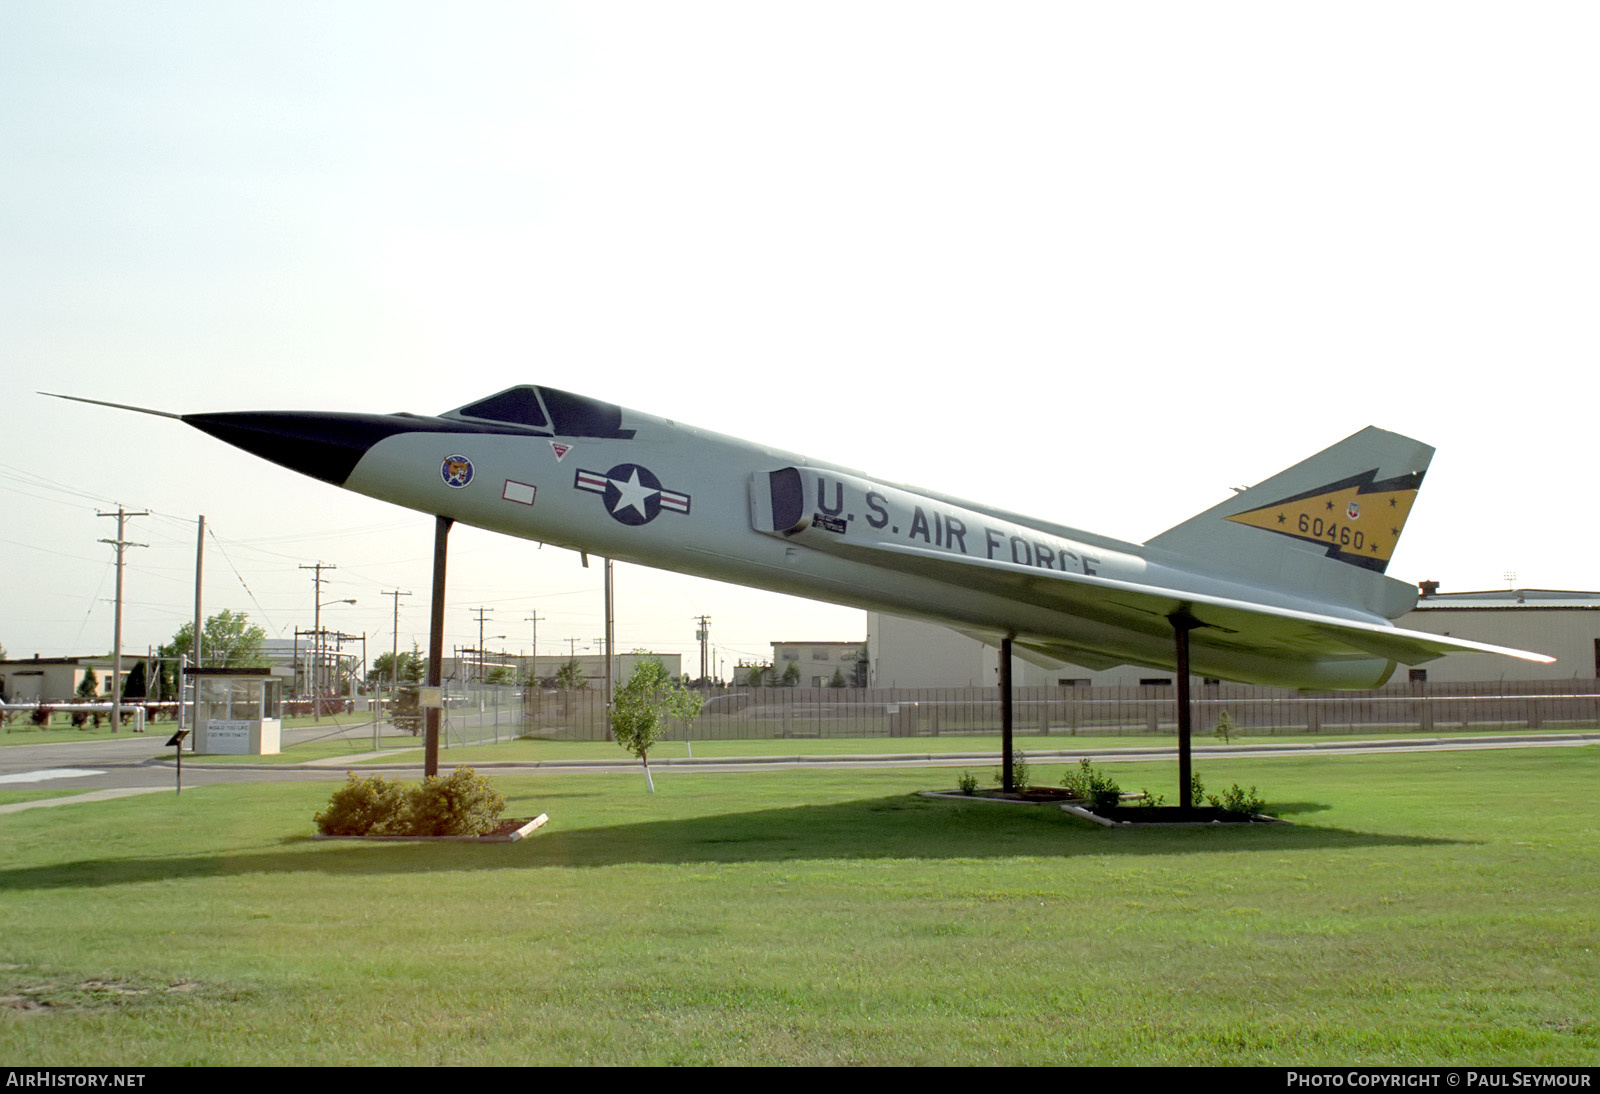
696 502
1282 584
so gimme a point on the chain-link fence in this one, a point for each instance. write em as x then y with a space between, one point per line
481 714
474 714
736 713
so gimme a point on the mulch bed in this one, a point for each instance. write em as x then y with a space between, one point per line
506 827
1118 815
505 832
1172 814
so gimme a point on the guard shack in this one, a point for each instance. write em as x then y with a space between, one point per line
236 711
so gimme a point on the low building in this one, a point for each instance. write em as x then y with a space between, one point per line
818 662
57 679
593 666
1564 624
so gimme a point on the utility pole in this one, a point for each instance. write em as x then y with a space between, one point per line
394 657
534 619
199 570
704 635
316 626
482 614
121 545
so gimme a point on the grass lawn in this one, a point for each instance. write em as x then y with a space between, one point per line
61 731
406 748
9 797
21 731
1423 909
527 749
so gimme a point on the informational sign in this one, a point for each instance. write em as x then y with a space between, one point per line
228 738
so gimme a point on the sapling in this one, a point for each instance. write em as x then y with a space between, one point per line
640 707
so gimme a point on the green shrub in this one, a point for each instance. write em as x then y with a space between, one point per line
1020 773
373 806
1196 791
1234 800
1225 727
968 783
1091 785
461 803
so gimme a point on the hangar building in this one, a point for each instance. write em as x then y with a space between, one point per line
909 653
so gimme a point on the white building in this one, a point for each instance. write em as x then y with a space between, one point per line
1563 624
817 661
593 666
56 679
1566 625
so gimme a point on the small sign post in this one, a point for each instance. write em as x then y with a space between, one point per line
176 743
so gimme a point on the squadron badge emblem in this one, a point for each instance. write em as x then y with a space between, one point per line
457 471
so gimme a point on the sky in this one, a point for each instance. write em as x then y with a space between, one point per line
1093 262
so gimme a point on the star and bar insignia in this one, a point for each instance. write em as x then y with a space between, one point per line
633 494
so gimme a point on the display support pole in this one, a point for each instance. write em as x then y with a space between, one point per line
431 715
1182 623
611 638
1005 714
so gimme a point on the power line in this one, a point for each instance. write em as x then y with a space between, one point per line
248 591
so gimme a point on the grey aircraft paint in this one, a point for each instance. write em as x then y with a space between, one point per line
1283 583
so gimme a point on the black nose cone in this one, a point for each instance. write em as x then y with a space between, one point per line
321 444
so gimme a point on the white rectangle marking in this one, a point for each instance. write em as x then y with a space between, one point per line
48 773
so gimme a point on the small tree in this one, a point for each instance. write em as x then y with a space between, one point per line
405 669
88 691
791 675
638 711
229 641
569 677
165 676
135 688
684 703
838 680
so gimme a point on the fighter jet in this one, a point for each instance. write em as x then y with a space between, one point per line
1281 584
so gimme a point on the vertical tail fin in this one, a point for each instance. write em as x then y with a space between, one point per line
1325 528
